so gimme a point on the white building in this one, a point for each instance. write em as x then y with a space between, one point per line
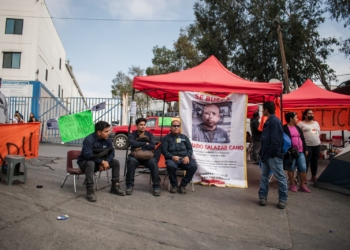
33 59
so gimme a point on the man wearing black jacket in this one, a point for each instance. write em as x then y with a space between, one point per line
271 156
133 163
89 163
177 150
256 136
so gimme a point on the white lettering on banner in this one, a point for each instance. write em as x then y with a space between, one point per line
216 128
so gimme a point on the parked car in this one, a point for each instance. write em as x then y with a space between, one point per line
343 88
119 134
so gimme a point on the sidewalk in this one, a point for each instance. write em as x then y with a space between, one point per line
208 218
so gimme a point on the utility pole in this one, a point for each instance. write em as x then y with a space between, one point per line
283 55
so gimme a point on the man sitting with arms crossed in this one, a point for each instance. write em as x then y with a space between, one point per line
133 163
177 150
89 163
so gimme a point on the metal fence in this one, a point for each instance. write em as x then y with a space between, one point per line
46 108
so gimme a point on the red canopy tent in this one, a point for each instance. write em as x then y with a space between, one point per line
309 94
251 110
331 110
210 77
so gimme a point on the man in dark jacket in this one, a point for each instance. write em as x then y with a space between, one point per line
89 163
271 156
256 136
177 150
132 163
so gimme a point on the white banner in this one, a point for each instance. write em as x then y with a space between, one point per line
216 129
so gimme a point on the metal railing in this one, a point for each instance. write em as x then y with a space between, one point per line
46 108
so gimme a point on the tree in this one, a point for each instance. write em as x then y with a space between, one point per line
340 11
122 83
183 55
242 35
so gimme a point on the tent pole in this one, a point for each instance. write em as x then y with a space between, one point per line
127 148
281 108
161 128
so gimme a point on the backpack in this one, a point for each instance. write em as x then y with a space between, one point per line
286 144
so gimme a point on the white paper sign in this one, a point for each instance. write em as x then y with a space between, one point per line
132 108
216 129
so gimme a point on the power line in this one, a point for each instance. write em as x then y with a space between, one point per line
106 19
343 75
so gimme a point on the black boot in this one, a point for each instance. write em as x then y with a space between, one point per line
90 195
115 189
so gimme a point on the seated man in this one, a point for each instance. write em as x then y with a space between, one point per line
92 159
132 163
177 151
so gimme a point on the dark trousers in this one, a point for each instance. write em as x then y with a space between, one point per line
89 168
172 166
312 159
131 165
255 151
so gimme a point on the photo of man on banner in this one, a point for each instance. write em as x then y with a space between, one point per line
216 127
210 115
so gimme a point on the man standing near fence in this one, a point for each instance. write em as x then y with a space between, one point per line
256 137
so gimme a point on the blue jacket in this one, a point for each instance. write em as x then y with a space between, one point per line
92 142
271 139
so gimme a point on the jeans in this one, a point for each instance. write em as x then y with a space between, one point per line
131 165
312 159
300 163
255 151
276 166
89 168
172 166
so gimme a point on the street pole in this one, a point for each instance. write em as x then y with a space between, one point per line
284 62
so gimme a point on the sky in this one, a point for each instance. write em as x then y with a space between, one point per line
98 50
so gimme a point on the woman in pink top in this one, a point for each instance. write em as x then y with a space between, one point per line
298 142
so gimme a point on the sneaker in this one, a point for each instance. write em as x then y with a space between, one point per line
90 195
173 189
182 189
115 189
128 190
262 201
293 188
281 204
304 189
156 191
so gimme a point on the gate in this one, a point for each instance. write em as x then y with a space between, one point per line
47 108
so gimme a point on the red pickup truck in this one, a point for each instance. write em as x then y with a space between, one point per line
119 134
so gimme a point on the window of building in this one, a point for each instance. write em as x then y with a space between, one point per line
14 26
62 93
59 65
11 60
46 74
59 90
